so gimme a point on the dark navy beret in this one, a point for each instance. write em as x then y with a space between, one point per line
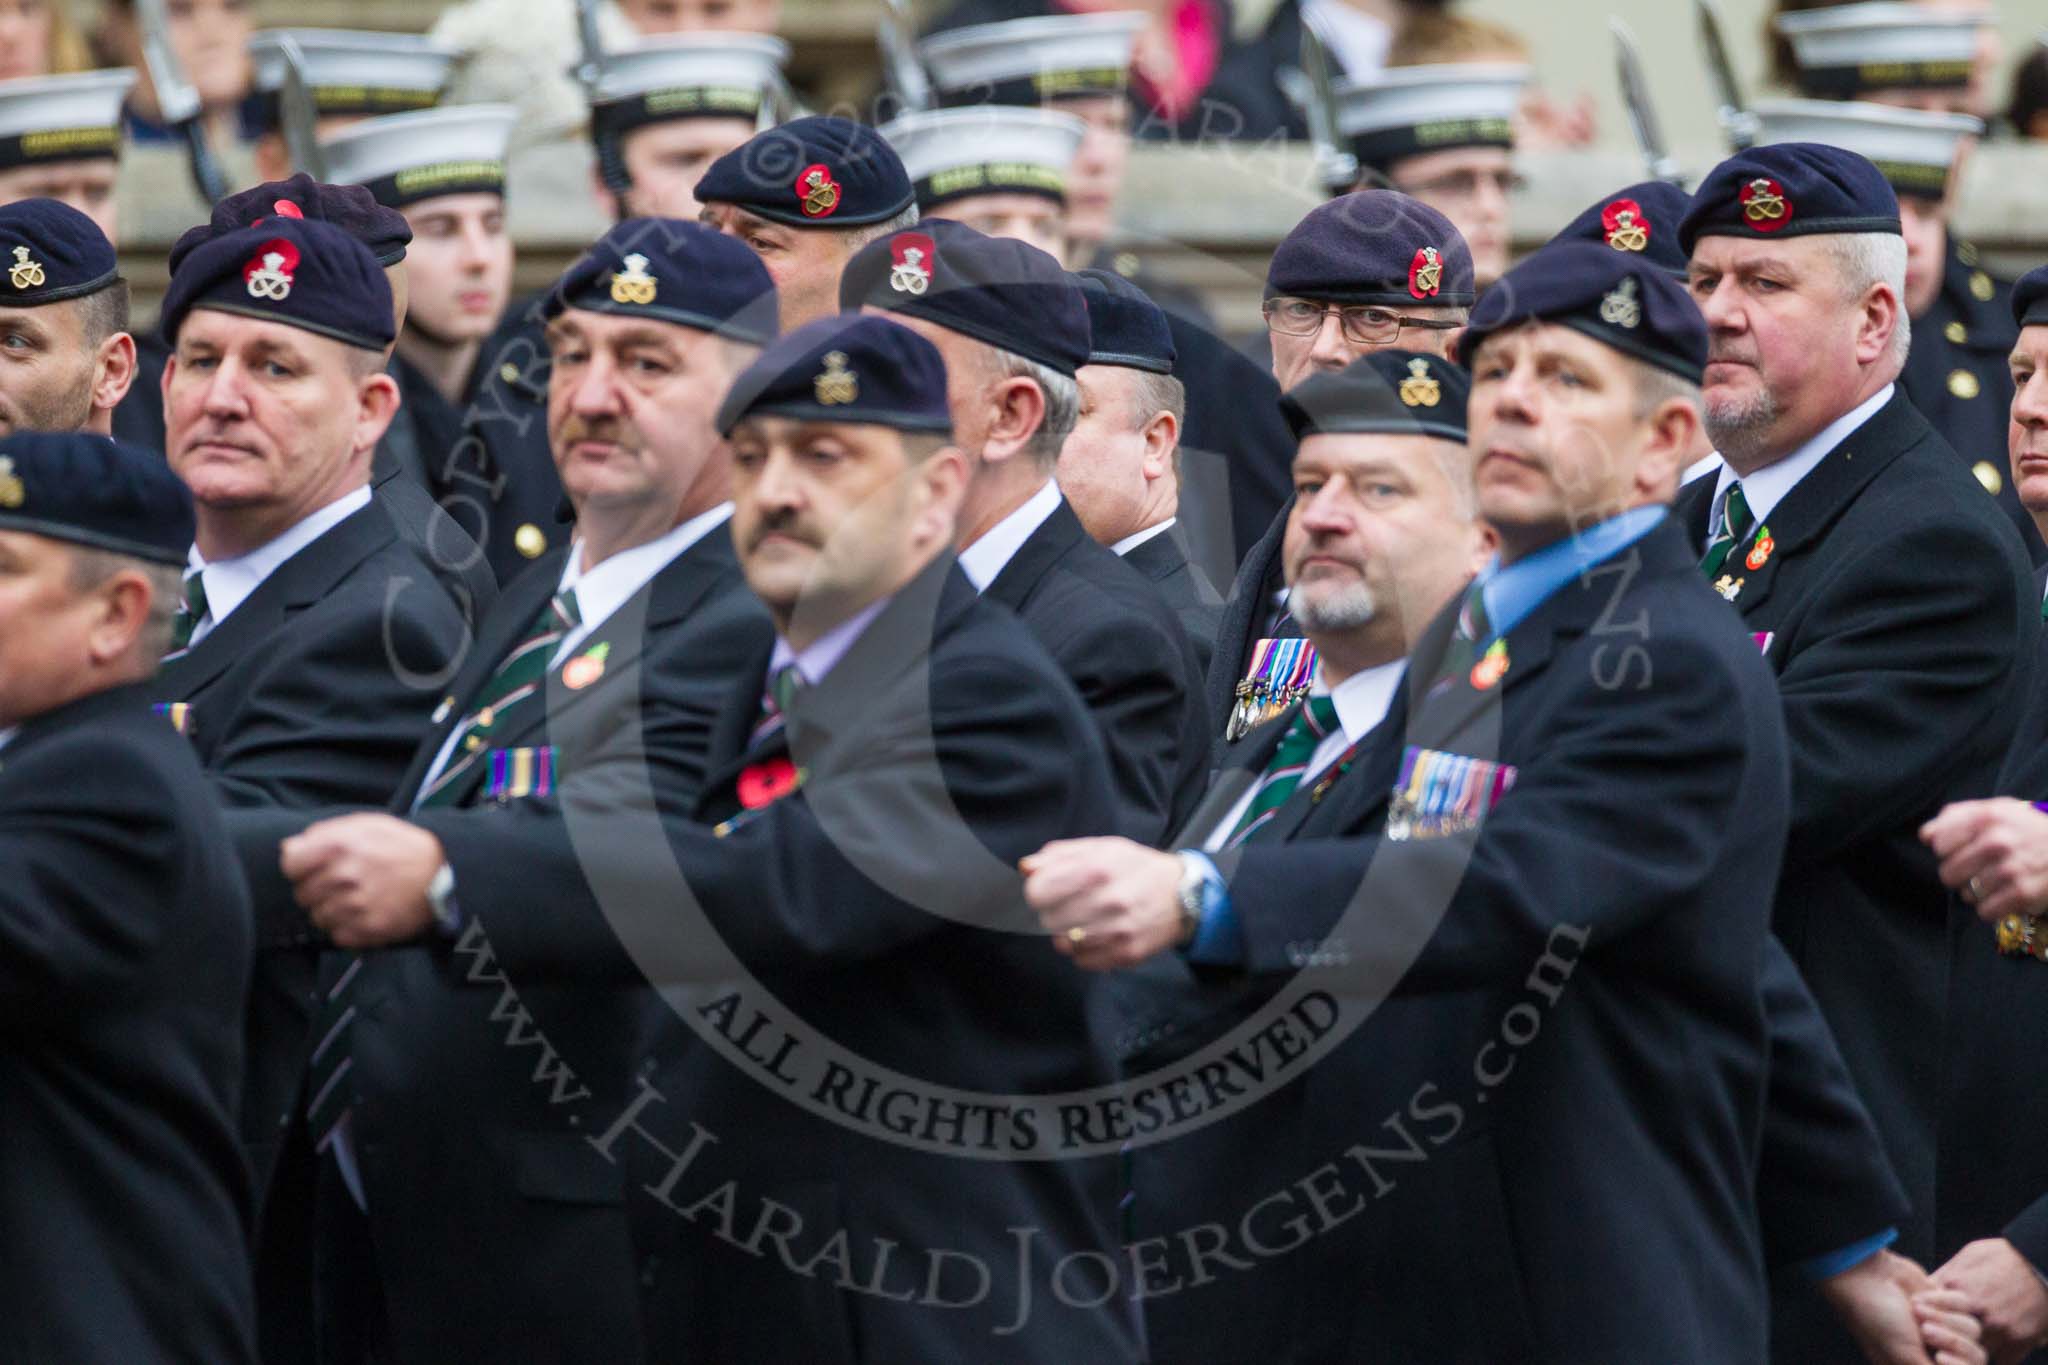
52 252
1612 296
1790 189
1375 246
352 208
94 490
2030 298
821 171
1124 326
298 271
851 368
1642 218
672 271
1393 393
995 289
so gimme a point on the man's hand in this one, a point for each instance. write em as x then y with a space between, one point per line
1995 853
1875 1300
2000 1287
363 878
1107 903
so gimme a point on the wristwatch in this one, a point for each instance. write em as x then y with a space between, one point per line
1194 883
441 900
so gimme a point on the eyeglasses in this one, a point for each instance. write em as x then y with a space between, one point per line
1362 323
1466 185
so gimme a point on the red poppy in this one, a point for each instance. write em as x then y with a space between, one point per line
763 783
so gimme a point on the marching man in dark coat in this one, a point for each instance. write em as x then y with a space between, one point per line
124 937
1564 834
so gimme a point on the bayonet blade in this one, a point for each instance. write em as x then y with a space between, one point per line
1337 167
1737 123
298 113
177 99
1642 114
902 72
592 43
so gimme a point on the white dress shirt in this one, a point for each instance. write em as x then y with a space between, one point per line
231 582
600 590
1362 701
607 585
1766 488
986 558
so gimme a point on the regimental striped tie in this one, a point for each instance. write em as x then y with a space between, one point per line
518 678
191 611
1316 719
329 1091
1735 524
775 700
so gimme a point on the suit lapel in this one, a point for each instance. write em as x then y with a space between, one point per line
1802 517
1583 603
1042 549
299 582
899 639
503 630
668 597
1243 763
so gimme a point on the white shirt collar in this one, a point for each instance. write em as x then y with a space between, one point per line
1704 465
231 582
987 557
1363 698
1137 538
7 735
605 586
1767 487
823 654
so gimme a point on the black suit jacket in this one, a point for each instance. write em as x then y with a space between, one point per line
878 904
1957 375
1194 599
313 693
500 1233
1119 644
1614 902
124 962
1993 1179
1902 630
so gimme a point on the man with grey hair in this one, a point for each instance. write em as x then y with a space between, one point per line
1013 330
805 196
1890 597
1365 272
1120 466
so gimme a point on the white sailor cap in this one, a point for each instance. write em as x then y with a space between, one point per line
1028 61
990 149
1913 148
403 158
348 71
1848 50
1407 110
62 118
690 75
